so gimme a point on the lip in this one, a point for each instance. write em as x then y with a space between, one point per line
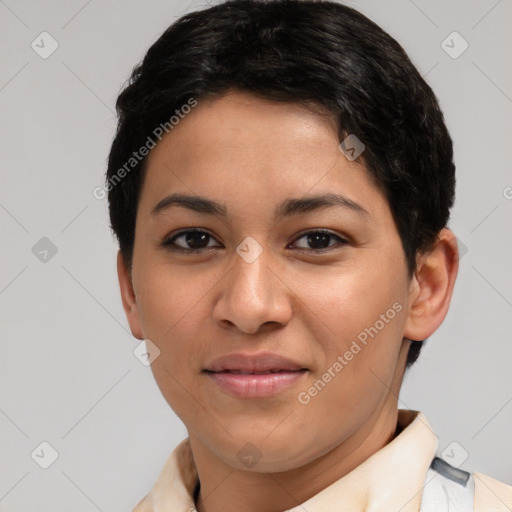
253 363
254 375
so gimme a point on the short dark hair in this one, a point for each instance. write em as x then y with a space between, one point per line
302 51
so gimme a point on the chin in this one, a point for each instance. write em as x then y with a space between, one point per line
267 454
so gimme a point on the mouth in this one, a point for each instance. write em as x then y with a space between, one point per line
250 376
254 376
256 385
246 363
248 372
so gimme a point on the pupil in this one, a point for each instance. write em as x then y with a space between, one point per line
192 238
322 237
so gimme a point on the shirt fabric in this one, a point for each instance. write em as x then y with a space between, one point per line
405 475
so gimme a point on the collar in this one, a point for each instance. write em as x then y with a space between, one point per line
391 479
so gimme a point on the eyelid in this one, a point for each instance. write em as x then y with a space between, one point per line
341 240
168 240
321 230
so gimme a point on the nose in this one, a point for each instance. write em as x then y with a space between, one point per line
253 297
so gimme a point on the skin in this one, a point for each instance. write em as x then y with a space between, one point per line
251 154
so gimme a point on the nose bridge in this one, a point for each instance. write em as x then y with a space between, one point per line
252 268
252 295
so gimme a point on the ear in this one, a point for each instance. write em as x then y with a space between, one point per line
431 288
128 297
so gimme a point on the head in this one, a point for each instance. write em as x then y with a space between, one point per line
302 247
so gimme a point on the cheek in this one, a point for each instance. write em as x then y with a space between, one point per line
170 301
359 317
346 304
173 308
358 367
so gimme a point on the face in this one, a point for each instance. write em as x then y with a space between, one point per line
267 279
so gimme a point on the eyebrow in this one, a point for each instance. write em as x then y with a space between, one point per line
289 207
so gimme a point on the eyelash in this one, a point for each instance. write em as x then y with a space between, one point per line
169 242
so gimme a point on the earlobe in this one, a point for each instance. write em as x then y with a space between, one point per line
432 287
128 297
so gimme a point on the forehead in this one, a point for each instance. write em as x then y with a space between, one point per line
250 150
244 122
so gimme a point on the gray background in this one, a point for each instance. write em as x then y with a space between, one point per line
68 375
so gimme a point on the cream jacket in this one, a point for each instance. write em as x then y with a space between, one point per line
404 476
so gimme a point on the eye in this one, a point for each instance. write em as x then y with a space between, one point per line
190 241
197 240
319 240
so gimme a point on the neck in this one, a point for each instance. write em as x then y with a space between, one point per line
226 489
